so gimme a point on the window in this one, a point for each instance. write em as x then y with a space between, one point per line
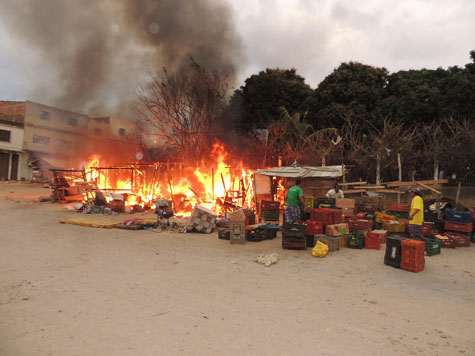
98 132
72 121
122 132
44 115
65 143
43 140
5 135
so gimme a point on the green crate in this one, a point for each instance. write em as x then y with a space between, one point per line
356 240
271 215
432 246
224 234
398 214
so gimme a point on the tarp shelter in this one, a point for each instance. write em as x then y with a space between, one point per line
316 181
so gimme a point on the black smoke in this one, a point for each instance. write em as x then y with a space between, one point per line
101 51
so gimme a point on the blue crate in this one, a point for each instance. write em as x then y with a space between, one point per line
458 216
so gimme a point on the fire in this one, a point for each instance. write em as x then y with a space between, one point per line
218 184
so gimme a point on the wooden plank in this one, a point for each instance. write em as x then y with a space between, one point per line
354 191
351 183
390 191
372 186
430 188
427 182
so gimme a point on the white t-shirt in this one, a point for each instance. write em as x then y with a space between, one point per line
332 194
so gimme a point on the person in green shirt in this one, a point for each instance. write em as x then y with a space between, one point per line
416 216
292 203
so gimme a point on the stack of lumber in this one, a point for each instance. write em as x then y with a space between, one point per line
392 187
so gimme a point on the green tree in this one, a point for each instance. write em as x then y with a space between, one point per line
256 104
352 89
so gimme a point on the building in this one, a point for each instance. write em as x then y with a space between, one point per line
38 137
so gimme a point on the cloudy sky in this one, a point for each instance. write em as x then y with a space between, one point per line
313 36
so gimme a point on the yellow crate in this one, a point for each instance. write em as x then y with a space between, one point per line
382 217
394 226
309 203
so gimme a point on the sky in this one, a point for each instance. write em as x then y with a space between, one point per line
313 36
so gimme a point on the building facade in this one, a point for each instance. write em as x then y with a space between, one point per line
40 137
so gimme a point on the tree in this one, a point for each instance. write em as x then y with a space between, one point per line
183 108
256 104
352 89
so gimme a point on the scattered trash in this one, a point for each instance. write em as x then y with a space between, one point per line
44 198
267 260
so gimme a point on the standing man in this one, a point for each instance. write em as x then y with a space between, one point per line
416 216
292 203
336 192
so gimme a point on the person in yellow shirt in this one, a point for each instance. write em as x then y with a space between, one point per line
416 216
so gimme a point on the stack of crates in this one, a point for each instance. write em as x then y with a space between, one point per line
412 255
237 232
270 210
399 210
294 237
326 216
461 223
392 256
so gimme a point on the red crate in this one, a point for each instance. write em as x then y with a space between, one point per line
460 227
447 243
381 234
270 205
360 224
412 255
459 240
314 228
426 230
327 216
372 241
402 207
361 215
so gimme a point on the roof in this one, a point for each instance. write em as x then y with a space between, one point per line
303 172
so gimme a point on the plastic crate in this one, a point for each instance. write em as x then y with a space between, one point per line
224 234
381 234
392 256
360 224
309 203
459 227
460 240
412 255
326 216
464 217
294 242
372 241
394 226
399 207
326 203
356 240
311 240
271 215
382 217
333 243
398 214
343 241
445 241
432 246
426 230
314 228
270 205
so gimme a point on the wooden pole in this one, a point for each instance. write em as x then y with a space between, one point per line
378 169
212 180
436 169
459 186
399 174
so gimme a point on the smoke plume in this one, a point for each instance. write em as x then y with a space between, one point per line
101 51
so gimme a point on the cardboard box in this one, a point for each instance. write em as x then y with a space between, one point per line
345 203
348 211
237 215
337 229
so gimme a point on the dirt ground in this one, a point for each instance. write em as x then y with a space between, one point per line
71 290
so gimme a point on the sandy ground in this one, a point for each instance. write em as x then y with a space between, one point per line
71 290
